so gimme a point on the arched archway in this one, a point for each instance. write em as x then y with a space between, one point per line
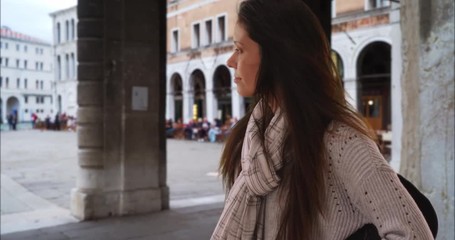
177 93
12 106
336 58
222 91
373 78
197 81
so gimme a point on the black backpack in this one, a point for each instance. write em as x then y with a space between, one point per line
370 232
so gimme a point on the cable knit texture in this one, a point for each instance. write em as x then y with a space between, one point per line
361 188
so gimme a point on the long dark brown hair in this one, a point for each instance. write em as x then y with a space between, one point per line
298 75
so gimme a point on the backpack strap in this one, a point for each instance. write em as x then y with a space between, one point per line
369 231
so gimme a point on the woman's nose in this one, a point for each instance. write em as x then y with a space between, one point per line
231 62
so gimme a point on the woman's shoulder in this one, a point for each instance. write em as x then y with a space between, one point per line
342 133
347 144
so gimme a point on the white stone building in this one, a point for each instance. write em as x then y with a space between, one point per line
65 59
26 76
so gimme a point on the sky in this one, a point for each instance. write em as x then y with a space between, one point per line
31 17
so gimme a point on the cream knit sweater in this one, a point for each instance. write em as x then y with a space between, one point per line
362 188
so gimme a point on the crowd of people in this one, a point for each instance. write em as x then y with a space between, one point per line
58 122
200 129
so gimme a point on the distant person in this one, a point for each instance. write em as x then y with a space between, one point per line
14 120
301 164
9 118
57 122
34 119
213 132
47 122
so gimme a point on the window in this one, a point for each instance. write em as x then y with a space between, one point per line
41 51
373 4
36 84
37 99
1 81
6 45
26 110
25 48
73 66
36 65
26 99
1 60
67 28
196 35
222 28
41 85
25 83
18 83
73 30
59 68
208 31
67 66
58 33
18 47
1 44
7 83
41 66
175 41
37 50
17 63
6 62
25 64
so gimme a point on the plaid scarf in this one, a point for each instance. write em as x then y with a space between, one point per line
244 210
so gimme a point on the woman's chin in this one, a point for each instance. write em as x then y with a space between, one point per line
243 94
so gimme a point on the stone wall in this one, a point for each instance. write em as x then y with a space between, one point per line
427 156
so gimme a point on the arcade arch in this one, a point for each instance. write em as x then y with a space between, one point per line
222 92
13 106
373 78
197 83
336 58
177 93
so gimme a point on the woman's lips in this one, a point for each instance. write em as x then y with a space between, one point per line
237 79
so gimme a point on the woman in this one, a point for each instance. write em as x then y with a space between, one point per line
302 164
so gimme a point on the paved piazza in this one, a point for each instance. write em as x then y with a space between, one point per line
39 168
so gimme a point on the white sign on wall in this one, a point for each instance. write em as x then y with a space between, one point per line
140 99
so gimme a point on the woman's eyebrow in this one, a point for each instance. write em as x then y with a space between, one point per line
238 43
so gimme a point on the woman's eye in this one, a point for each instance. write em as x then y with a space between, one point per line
237 50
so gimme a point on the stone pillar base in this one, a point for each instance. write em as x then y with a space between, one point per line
86 205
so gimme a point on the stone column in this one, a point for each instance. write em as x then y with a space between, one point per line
90 114
210 102
350 82
395 88
170 105
427 154
187 112
238 108
121 97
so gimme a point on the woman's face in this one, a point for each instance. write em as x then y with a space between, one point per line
245 60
